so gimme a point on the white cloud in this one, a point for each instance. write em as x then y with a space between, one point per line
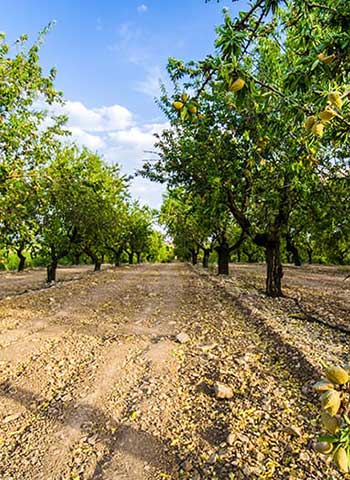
133 136
141 137
142 8
114 132
151 85
149 193
100 119
83 138
131 147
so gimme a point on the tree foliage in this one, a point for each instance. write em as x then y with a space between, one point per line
56 200
264 118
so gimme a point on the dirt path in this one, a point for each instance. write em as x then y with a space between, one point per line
94 385
14 283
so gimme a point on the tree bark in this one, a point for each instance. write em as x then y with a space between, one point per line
274 269
77 259
194 256
131 258
22 260
206 254
117 256
95 260
97 263
309 254
292 249
138 257
52 269
223 258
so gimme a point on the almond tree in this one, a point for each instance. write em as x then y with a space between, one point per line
196 223
81 200
258 116
26 142
139 230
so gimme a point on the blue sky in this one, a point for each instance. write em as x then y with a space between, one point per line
110 56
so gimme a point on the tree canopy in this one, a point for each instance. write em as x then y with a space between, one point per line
57 199
264 119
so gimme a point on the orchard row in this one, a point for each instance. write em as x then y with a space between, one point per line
58 201
257 153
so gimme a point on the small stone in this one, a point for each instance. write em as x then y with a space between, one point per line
260 457
243 438
182 337
11 418
249 471
222 391
231 439
187 466
304 457
207 348
294 431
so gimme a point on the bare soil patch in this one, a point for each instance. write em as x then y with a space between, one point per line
14 283
93 384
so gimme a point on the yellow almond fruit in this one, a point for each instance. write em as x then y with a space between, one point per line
341 460
323 447
335 99
337 375
309 122
192 108
330 423
237 85
323 386
327 59
317 129
331 401
178 105
327 115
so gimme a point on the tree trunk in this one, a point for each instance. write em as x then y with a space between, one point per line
309 255
51 270
77 259
296 258
22 260
239 255
117 259
194 257
138 257
274 269
131 258
223 258
95 260
292 249
206 253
